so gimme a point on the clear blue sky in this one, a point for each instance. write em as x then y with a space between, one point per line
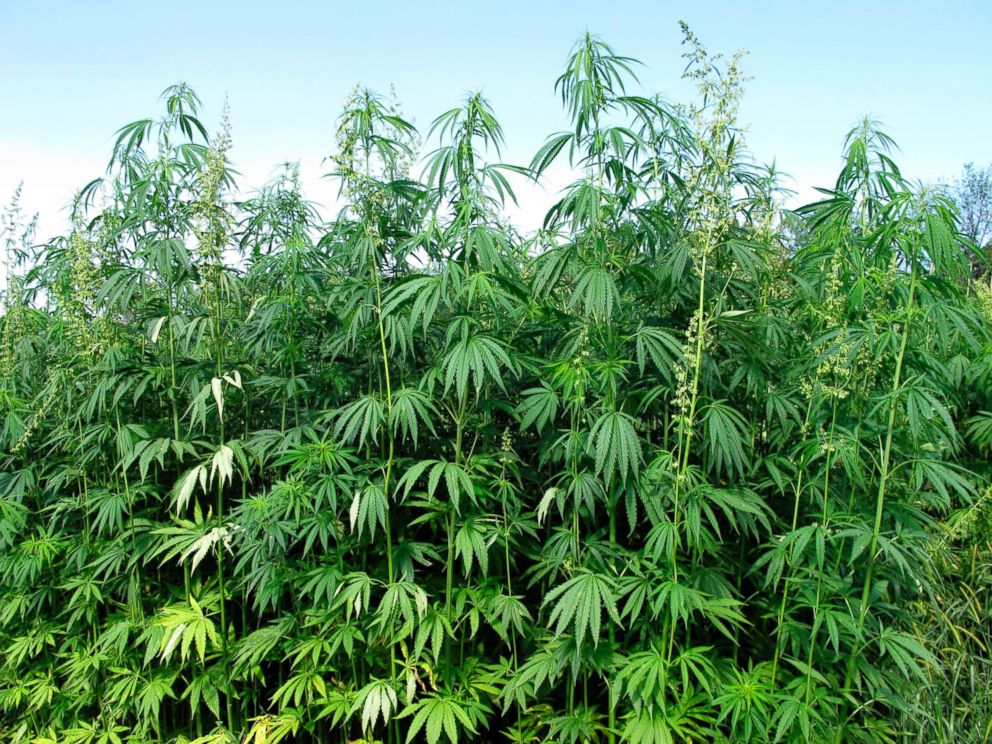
73 72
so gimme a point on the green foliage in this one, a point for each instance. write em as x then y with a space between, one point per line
681 466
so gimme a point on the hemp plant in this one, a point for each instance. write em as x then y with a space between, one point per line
681 465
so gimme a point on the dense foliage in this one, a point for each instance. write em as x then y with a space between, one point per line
681 466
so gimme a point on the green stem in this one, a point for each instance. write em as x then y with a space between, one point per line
885 462
685 435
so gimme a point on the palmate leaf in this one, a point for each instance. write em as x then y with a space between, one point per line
436 715
368 509
682 601
741 508
226 456
152 693
354 594
433 629
595 293
946 478
137 446
124 688
315 454
411 409
543 666
322 582
347 637
107 510
477 357
687 719
337 705
483 246
643 680
403 601
794 719
581 205
579 605
261 644
186 626
86 732
862 539
550 150
925 410
217 536
457 480
13 518
360 420
659 347
644 727
980 430
376 700
472 545
747 701
506 614
549 267
582 489
727 438
616 446
426 293
203 688
908 653
180 540
309 651
773 560
272 729
942 245
186 485
581 724
838 622
299 688
538 408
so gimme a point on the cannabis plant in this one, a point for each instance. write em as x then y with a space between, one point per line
679 466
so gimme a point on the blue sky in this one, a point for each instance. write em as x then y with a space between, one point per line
73 72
